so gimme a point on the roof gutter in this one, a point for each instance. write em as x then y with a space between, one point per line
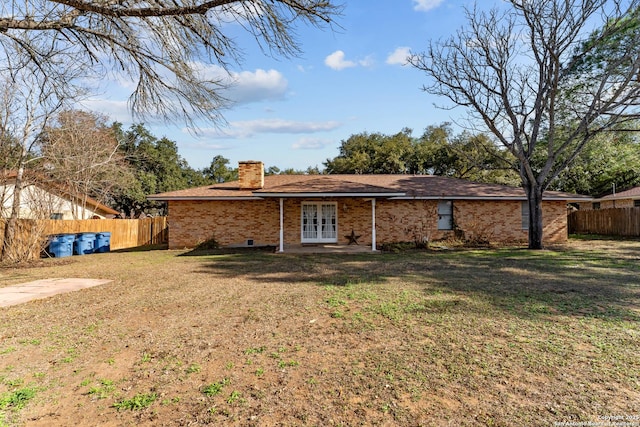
206 198
300 195
606 199
390 196
508 198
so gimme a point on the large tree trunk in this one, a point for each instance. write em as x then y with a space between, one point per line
534 198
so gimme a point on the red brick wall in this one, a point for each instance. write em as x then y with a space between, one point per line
234 222
229 222
499 221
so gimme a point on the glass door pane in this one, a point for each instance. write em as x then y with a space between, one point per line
309 222
319 222
329 222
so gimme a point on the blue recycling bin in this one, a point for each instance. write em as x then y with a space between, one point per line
103 242
84 243
61 245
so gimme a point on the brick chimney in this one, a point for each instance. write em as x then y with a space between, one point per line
251 175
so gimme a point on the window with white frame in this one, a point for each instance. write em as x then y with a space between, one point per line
525 215
636 203
445 215
319 222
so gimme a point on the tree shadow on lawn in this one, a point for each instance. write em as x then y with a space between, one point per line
265 266
525 283
547 283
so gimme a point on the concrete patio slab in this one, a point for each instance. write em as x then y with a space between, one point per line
21 293
327 249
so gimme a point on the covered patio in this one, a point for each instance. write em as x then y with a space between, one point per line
318 202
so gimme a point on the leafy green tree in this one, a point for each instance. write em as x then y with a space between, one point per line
157 167
292 171
609 160
466 156
219 170
432 153
272 170
393 153
10 150
313 170
373 153
477 158
355 155
436 152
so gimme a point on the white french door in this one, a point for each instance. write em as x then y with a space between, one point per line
319 222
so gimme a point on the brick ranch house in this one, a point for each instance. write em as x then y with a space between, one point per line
624 199
293 210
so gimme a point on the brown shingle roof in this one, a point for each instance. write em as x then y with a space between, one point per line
402 186
45 183
333 184
633 193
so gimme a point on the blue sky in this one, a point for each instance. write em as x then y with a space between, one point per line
293 113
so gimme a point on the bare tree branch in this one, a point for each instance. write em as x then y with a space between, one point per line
521 72
155 43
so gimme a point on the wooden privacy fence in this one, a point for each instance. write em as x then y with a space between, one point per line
612 222
125 233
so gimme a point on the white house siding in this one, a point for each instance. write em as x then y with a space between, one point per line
36 202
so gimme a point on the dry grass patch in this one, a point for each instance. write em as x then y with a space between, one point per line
484 337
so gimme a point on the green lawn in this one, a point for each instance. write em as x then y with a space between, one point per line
497 337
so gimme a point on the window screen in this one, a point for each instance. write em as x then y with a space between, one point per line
445 215
525 215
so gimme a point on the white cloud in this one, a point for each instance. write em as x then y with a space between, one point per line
366 62
399 56
311 144
205 145
245 87
115 110
258 85
249 128
426 5
336 61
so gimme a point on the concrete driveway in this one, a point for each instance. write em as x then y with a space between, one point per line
18 294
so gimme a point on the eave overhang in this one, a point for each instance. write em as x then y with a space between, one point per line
390 196
285 195
492 198
203 198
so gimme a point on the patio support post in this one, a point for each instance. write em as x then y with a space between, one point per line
281 225
373 224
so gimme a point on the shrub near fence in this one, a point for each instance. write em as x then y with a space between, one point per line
125 233
612 222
